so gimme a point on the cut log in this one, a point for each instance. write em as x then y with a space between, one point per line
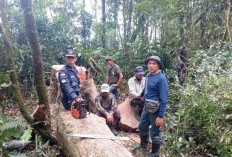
128 121
39 113
90 91
93 125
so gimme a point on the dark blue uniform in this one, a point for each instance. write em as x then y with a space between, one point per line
69 83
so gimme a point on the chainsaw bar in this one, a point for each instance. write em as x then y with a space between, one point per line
99 136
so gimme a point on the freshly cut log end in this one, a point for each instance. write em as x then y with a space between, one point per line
128 120
39 113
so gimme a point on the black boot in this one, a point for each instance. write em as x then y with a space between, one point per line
144 142
114 127
155 150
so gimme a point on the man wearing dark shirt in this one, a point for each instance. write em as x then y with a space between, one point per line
157 90
69 81
107 107
114 76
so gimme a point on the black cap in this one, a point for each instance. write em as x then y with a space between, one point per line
139 70
70 53
154 58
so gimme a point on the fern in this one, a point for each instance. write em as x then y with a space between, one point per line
26 135
12 125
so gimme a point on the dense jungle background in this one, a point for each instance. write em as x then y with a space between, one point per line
192 37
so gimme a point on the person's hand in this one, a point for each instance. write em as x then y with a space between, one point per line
159 121
79 100
115 85
140 97
109 119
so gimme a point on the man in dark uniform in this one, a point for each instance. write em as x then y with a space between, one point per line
107 108
69 81
114 76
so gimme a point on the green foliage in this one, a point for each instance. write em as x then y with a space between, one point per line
11 129
26 135
199 126
4 78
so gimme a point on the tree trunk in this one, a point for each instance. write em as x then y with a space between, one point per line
94 27
103 24
227 18
36 53
15 85
4 30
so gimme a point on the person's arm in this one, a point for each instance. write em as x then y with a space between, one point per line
99 106
107 80
163 94
114 104
132 91
119 80
66 87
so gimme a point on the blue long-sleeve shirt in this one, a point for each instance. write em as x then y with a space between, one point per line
157 89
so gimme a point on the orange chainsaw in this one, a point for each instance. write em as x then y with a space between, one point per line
79 109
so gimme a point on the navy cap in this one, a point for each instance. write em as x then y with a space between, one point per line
139 70
154 58
70 53
109 58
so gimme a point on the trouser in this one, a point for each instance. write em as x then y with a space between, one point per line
114 90
146 120
116 116
66 102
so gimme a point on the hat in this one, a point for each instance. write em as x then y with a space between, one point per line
109 58
105 88
139 70
154 58
70 53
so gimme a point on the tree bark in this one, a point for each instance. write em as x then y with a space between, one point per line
36 53
103 24
227 18
15 85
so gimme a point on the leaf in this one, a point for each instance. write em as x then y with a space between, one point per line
26 135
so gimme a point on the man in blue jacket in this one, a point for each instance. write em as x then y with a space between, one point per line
69 81
157 90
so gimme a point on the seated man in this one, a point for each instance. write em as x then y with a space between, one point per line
69 81
107 108
136 85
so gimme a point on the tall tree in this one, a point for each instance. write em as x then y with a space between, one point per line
36 53
103 24
4 30
227 19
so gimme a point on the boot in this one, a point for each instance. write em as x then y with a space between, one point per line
155 150
137 111
144 142
113 128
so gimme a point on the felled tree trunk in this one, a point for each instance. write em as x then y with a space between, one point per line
80 147
128 120
90 92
